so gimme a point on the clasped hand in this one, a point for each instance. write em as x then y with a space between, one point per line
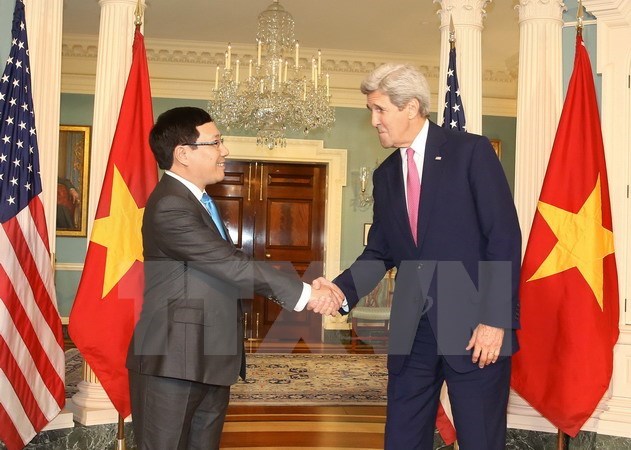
326 298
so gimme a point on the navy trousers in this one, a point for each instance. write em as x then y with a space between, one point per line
478 398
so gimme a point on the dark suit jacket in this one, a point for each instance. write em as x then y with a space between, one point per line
190 326
466 215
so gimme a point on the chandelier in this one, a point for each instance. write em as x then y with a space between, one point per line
278 93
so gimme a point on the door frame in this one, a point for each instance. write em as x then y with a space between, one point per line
309 151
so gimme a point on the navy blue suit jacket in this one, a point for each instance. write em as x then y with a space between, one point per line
465 269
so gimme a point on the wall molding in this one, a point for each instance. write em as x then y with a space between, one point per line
167 58
74 267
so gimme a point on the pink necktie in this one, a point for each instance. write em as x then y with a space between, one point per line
414 193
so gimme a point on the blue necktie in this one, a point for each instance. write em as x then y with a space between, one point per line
214 213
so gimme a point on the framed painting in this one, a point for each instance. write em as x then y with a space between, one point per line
72 180
497 146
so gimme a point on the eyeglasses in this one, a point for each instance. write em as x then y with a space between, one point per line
211 143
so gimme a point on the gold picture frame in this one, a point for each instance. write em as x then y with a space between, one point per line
497 146
72 180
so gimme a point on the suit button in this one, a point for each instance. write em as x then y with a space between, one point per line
420 266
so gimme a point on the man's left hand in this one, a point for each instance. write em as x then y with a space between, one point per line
486 343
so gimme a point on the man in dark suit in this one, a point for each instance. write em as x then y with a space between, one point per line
187 347
456 244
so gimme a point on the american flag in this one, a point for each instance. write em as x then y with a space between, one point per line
31 342
453 114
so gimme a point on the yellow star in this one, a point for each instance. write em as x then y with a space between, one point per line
119 233
583 242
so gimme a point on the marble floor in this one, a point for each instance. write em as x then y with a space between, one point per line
305 428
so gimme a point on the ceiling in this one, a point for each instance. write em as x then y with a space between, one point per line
409 27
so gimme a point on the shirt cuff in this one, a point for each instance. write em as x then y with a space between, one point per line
345 307
304 297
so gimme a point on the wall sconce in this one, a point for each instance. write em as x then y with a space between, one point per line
363 199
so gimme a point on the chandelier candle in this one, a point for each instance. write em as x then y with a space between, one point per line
276 96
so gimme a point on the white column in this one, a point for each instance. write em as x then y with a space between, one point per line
116 35
539 100
91 405
43 27
467 16
612 62
539 103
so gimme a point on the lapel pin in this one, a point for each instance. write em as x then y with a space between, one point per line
438 158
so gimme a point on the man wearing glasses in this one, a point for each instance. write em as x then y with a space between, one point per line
187 347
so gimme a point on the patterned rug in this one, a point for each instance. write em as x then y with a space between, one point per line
308 379
293 379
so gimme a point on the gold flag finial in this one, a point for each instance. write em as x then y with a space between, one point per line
138 13
579 18
452 32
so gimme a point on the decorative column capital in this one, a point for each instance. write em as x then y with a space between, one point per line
464 12
540 9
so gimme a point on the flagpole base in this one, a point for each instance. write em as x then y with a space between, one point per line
120 444
562 441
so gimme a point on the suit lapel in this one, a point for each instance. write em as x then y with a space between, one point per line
397 189
176 187
432 171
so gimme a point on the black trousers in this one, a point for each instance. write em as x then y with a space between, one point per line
174 414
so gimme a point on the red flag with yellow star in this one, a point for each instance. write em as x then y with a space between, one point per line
569 285
103 314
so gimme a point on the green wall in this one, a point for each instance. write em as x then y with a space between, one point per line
6 19
352 131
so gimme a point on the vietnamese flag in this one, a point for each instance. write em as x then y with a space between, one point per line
103 315
569 286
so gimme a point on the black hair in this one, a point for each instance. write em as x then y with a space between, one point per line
175 127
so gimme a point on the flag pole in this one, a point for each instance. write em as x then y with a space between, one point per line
579 19
452 45
120 433
452 33
138 13
562 441
563 438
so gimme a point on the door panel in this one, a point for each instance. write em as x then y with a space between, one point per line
288 224
275 213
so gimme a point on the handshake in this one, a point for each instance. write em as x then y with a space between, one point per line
326 298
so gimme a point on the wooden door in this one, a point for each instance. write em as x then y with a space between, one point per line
275 213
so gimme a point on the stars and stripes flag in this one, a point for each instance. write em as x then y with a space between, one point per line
453 114
31 342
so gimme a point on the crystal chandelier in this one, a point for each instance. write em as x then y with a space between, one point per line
278 93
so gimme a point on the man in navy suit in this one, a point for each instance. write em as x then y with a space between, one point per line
456 244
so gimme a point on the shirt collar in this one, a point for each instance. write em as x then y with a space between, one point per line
419 142
197 192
